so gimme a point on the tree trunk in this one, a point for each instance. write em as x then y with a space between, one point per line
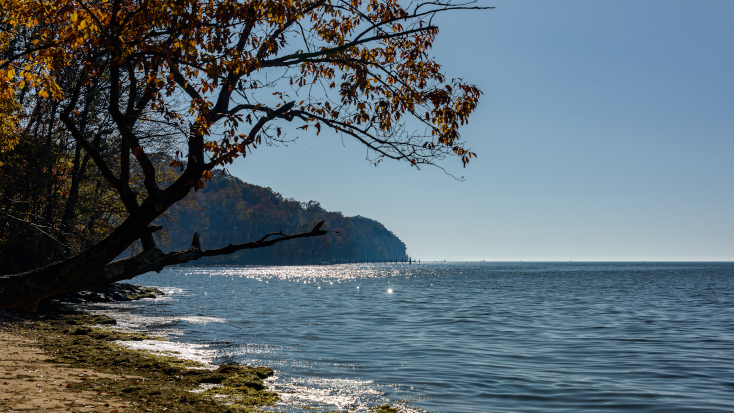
92 268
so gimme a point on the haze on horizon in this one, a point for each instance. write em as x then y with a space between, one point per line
606 132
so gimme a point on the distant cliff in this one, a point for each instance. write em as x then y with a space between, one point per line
229 211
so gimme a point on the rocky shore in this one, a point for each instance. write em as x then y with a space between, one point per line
116 292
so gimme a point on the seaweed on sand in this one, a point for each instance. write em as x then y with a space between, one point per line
149 382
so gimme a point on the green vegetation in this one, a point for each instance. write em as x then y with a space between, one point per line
385 408
229 211
226 211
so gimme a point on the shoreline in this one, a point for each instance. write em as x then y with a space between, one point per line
63 359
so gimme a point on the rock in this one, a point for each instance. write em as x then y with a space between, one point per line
115 292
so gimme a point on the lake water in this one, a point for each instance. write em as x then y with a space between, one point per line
461 337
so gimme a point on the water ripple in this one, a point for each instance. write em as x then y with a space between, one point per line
463 337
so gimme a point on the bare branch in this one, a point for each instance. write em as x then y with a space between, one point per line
156 260
39 228
303 57
128 135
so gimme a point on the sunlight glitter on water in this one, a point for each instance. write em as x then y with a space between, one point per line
322 393
297 393
463 337
158 326
183 351
307 274
339 393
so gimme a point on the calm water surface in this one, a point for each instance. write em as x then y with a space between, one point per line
461 337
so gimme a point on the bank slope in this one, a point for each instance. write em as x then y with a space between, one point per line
229 211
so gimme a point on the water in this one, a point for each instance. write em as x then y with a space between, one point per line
462 337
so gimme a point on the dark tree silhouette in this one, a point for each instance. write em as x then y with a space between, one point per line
220 77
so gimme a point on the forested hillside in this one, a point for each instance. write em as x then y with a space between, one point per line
229 211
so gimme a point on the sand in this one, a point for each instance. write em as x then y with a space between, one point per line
30 382
67 360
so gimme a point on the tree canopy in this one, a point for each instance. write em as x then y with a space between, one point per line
149 97
227 210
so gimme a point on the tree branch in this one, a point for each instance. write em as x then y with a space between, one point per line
156 260
79 137
25 290
303 57
128 135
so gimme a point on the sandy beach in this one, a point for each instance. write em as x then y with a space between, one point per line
67 360
30 382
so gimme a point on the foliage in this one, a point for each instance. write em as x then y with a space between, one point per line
53 203
229 211
373 56
8 131
97 95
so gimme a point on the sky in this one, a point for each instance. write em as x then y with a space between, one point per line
605 132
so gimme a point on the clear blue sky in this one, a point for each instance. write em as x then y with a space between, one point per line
606 132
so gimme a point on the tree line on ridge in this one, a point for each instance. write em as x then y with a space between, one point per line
229 211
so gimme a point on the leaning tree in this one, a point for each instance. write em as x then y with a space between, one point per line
224 76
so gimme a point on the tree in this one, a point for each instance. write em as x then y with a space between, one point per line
227 210
217 78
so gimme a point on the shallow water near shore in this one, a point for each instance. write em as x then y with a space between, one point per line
460 337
